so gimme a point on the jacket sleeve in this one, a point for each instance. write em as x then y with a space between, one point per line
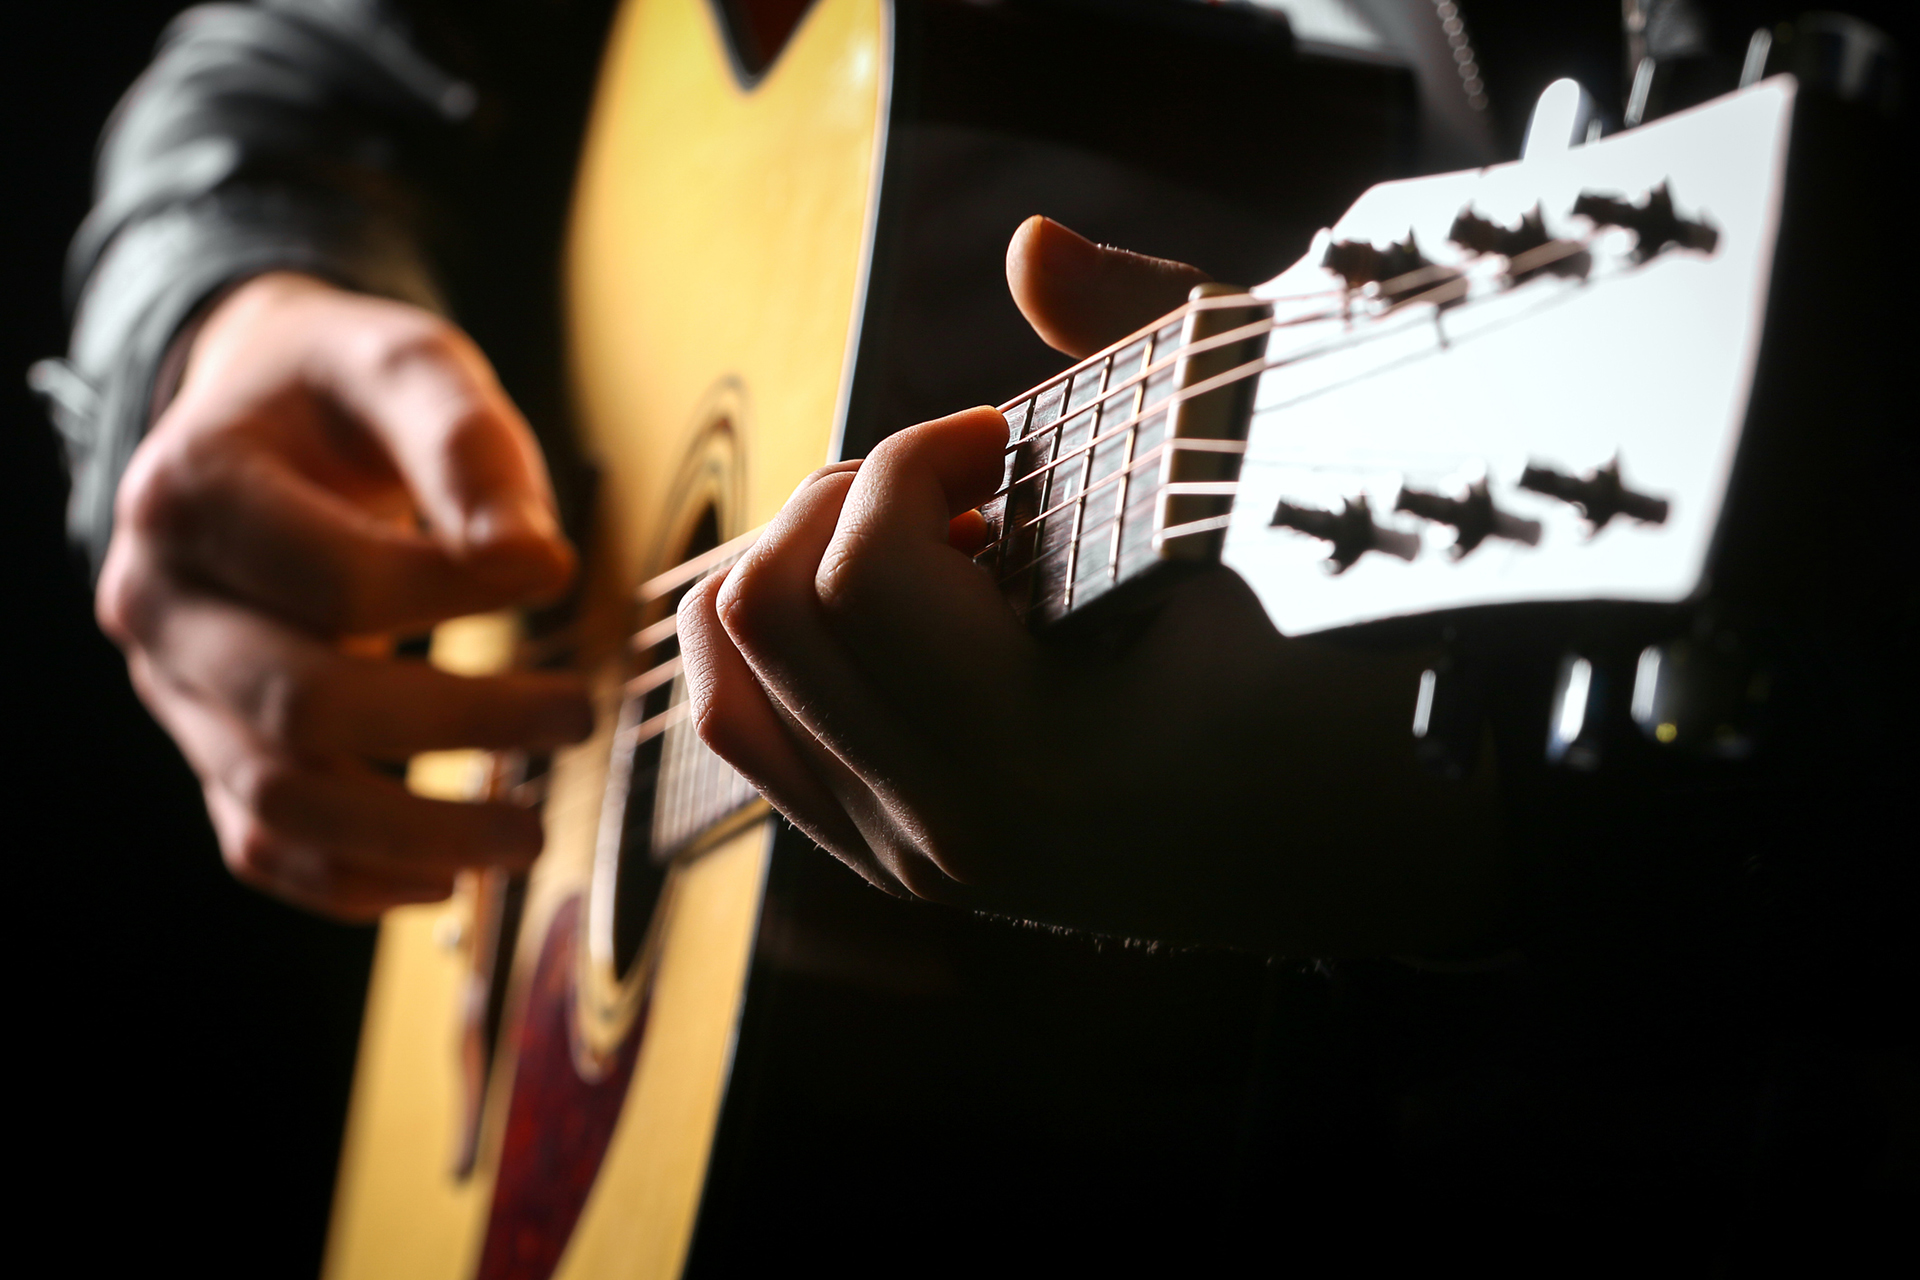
286 134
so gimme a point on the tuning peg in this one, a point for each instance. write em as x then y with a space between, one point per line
1401 271
1473 515
1351 530
1564 116
1528 249
1654 221
1600 494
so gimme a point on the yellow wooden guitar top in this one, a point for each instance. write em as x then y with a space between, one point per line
714 276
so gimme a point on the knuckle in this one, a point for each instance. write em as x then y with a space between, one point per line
471 430
267 791
409 340
126 602
158 496
824 473
849 579
920 875
749 609
251 853
712 723
289 706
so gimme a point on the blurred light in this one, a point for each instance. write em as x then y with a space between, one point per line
1646 684
1423 708
1573 701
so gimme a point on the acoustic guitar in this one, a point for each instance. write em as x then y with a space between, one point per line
1531 415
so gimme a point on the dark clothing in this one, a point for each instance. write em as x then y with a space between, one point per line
320 136
424 151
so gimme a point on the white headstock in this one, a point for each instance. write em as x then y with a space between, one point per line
1650 363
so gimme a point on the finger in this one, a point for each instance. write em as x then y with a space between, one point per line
300 695
338 810
734 717
1080 296
770 609
230 511
469 458
928 627
307 881
261 812
968 533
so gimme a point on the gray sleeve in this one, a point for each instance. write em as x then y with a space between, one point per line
286 134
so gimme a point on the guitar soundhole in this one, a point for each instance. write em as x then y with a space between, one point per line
637 872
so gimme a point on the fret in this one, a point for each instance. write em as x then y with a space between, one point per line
1078 437
1027 491
1086 492
1103 572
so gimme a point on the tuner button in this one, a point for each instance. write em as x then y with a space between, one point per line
1351 530
1600 495
1701 696
1473 515
1449 715
1573 724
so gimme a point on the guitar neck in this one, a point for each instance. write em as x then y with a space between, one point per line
1127 462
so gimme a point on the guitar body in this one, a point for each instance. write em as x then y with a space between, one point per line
717 256
716 1067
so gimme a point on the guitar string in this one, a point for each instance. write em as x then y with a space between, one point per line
1243 333
1524 263
1533 260
1250 369
731 552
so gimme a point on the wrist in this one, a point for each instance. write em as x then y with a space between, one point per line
233 304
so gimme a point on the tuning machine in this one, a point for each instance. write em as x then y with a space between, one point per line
1600 495
1400 272
1655 222
1472 515
1351 530
1528 249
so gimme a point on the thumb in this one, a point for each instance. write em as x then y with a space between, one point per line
1080 296
424 390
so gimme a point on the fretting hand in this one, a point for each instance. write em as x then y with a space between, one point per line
335 469
1209 781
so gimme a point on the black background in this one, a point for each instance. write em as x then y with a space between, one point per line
182 1046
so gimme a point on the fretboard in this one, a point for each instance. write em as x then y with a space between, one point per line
1119 467
1126 462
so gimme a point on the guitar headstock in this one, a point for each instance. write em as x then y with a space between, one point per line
1551 412
1521 383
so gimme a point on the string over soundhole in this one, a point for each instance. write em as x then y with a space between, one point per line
667 794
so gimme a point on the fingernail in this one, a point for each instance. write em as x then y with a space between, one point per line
511 520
